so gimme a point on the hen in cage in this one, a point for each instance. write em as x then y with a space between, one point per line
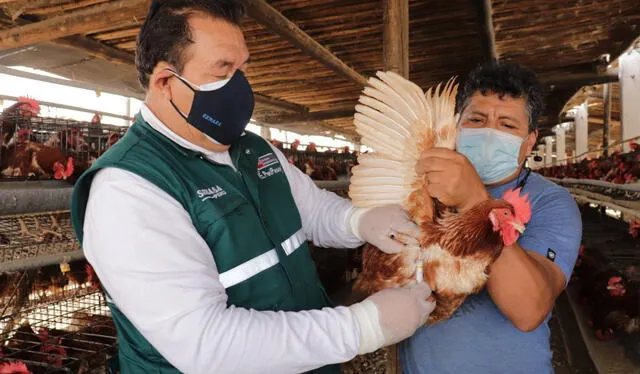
67 331
51 148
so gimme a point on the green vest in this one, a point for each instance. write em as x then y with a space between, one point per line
247 217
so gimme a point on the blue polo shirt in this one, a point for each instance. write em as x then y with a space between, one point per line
478 338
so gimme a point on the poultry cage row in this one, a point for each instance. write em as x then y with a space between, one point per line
605 288
54 321
322 165
53 317
33 239
60 138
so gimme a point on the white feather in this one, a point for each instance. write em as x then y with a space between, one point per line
392 117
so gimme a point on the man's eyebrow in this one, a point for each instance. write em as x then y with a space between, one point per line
220 63
475 112
514 119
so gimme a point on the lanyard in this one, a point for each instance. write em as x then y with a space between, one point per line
520 183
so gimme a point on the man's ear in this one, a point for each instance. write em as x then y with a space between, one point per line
527 145
531 141
159 79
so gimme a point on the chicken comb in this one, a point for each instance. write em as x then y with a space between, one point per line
69 169
14 367
520 203
33 103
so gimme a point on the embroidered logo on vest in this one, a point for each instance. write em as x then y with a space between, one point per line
268 165
211 193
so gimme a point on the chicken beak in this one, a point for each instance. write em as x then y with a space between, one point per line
517 225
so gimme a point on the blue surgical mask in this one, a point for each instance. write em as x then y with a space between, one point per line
493 153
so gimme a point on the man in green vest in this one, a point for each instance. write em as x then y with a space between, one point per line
198 231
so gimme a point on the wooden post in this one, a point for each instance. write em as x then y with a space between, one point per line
267 15
395 47
582 129
548 153
630 95
607 116
485 27
561 156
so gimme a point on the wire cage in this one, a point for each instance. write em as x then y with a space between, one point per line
55 320
30 240
22 137
613 252
322 165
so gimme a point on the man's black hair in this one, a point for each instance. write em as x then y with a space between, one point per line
504 79
165 33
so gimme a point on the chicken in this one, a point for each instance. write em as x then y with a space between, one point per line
31 347
617 168
15 160
50 279
112 139
8 284
76 348
49 162
614 301
14 367
312 147
24 159
24 135
634 228
95 120
23 110
398 121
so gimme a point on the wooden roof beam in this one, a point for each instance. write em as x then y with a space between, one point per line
280 104
312 116
97 49
395 36
487 31
91 46
579 80
78 22
16 8
267 15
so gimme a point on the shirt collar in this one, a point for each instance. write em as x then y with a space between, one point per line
160 127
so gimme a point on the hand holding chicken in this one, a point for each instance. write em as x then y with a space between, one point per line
451 178
408 129
388 227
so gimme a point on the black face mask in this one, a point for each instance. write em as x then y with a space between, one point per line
221 109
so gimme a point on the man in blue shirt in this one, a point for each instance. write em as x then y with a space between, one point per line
504 328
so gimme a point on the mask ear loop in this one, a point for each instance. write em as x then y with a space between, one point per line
186 83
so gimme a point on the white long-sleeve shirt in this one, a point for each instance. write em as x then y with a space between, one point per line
161 274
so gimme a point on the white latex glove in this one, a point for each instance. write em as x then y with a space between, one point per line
389 228
392 315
